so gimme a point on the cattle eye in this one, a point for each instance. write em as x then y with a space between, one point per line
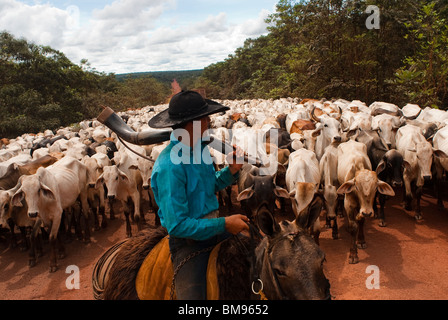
326 125
116 178
6 206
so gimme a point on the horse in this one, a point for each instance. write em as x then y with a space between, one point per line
280 260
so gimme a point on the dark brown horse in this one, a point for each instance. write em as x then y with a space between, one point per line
286 260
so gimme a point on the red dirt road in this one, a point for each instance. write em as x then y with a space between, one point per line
412 259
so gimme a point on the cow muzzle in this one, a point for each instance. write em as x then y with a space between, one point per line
397 184
363 215
32 215
337 139
146 187
91 185
427 178
111 197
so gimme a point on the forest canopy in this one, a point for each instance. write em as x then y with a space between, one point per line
40 88
323 49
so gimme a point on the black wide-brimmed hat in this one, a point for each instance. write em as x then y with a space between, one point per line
185 106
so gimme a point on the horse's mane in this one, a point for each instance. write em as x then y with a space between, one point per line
122 275
233 268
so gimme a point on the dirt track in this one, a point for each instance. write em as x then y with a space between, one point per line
412 258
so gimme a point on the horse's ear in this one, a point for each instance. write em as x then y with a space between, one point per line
267 223
307 218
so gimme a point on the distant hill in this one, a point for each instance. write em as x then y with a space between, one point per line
185 78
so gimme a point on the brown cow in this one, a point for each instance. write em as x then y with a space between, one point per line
45 161
300 125
4 142
14 171
359 185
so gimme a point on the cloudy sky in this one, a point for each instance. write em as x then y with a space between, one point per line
138 35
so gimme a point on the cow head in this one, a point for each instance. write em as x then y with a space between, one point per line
393 165
112 177
330 126
5 199
93 170
423 153
330 194
260 196
387 126
145 167
364 187
302 196
35 193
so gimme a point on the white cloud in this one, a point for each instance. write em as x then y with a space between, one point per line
128 35
41 23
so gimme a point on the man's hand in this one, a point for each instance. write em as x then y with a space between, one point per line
237 223
235 159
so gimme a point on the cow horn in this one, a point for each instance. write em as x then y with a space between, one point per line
313 116
413 117
340 113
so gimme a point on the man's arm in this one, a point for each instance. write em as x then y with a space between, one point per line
169 186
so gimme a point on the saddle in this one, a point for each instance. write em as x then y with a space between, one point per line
155 275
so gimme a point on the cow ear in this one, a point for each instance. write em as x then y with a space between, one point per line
407 165
246 194
385 189
281 193
267 223
307 219
17 198
292 194
381 167
123 175
99 181
317 132
439 153
47 192
346 187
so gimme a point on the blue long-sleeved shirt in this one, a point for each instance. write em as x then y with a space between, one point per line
184 182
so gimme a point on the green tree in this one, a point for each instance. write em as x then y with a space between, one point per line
424 77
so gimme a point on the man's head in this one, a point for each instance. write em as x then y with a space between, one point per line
185 107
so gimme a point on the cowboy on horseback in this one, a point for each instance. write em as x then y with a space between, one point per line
184 182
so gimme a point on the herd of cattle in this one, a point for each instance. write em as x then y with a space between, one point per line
343 153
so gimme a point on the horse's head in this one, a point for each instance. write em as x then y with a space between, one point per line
289 262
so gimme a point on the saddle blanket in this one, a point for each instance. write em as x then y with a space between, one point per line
155 275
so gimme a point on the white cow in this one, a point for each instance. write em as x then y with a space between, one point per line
96 197
387 126
330 131
419 153
11 216
145 167
328 167
49 192
359 184
302 182
122 187
440 142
